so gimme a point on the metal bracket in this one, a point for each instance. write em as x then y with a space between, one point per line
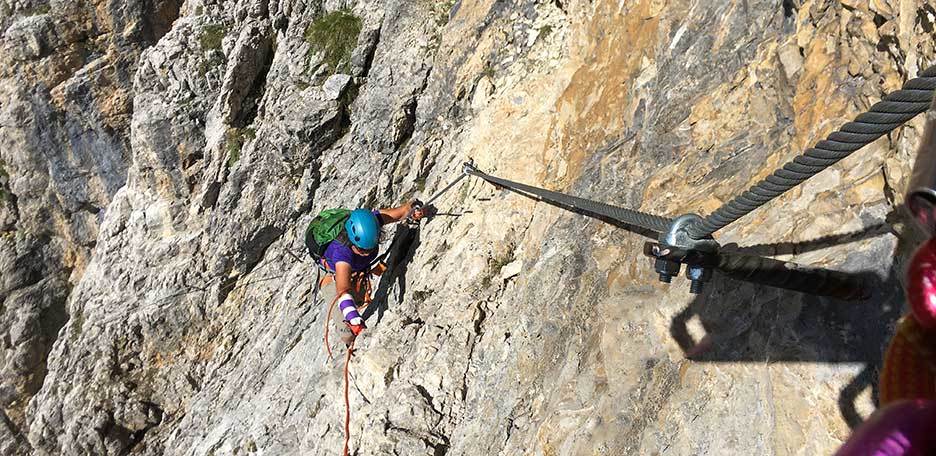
468 167
677 247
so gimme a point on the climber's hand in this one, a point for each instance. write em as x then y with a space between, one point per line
416 210
356 329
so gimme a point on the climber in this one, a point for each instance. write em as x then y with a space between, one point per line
344 244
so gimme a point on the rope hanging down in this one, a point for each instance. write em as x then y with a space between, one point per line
620 214
883 117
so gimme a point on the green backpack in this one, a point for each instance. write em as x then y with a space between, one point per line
324 228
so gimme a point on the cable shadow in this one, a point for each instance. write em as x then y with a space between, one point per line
743 322
737 321
791 248
399 254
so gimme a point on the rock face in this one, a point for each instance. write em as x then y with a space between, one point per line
65 107
160 161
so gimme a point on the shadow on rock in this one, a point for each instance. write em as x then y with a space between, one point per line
737 321
399 254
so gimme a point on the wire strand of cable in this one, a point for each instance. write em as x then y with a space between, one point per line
627 216
883 117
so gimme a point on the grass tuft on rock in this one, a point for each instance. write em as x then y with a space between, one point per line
236 137
442 11
215 59
211 36
38 10
488 70
334 35
4 181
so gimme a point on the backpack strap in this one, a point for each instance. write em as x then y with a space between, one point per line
343 238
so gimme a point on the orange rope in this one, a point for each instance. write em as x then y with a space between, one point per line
347 403
909 370
358 279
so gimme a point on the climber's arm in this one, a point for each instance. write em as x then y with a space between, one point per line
395 214
346 298
342 277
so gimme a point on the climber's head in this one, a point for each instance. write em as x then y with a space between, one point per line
363 230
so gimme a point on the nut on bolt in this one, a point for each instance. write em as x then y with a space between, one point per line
697 275
667 269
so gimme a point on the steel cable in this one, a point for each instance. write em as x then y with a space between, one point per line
883 117
622 215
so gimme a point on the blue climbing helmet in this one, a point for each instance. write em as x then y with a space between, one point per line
363 229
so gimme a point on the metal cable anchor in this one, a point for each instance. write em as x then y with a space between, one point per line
677 247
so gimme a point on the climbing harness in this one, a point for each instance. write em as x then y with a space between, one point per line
907 383
687 239
909 370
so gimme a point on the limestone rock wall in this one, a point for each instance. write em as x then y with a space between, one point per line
65 108
161 161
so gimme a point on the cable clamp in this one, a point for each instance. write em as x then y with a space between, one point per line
677 247
469 167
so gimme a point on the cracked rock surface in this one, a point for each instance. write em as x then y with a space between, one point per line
159 161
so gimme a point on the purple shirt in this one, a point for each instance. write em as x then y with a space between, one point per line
336 251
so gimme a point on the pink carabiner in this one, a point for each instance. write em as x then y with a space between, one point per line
921 284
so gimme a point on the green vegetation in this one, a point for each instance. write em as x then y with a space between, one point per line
545 31
420 184
494 267
211 36
4 179
38 10
215 59
210 39
498 263
488 70
236 137
441 10
334 35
